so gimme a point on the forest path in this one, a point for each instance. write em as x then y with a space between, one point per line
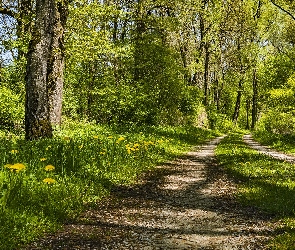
267 151
185 204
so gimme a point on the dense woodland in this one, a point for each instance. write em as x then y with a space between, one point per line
94 92
205 62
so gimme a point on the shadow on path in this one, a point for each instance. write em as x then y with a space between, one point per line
184 204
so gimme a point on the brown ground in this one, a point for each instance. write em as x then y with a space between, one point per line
184 204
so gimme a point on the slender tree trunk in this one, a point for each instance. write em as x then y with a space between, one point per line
206 74
254 100
247 113
238 103
44 76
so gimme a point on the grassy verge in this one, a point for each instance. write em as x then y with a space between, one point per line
284 143
263 182
47 182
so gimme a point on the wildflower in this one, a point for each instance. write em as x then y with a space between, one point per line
49 168
43 159
136 146
49 181
102 153
95 137
15 167
14 151
110 137
120 139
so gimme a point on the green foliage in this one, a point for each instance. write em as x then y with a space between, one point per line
11 107
46 182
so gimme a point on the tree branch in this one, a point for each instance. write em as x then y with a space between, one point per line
8 12
281 8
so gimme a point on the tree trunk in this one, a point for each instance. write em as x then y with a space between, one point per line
238 102
44 76
254 100
206 74
247 113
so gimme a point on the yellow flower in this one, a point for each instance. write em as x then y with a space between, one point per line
16 167
49 180
14 151
49 168
81 146
43 159
48 147
110 137
120 139
95 137
102 153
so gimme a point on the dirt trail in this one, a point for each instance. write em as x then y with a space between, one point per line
184 204
267 151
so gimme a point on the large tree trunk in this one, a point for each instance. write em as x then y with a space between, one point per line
44 76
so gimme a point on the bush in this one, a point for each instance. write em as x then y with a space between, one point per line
11 108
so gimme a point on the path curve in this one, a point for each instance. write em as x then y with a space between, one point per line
184 204
266 150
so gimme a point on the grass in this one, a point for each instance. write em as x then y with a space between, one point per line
48 182
281 142
263 182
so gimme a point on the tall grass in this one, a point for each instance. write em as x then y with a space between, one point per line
47 182
263 182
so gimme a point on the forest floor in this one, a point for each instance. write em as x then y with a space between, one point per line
188 203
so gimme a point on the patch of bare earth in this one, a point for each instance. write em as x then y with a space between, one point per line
184 204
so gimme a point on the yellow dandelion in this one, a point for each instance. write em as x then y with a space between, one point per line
14 151
120 139
49 168
49 181
43 159
17 167
95 137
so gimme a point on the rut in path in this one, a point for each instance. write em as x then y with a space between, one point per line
184 204
267 151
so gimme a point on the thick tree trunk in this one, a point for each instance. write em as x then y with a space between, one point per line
254 100
44 76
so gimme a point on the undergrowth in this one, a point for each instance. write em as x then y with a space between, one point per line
282 142
47 182
263 182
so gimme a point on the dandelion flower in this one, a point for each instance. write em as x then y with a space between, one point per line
16 167
120 139
49 181
43 159
14 151
49 168
95 137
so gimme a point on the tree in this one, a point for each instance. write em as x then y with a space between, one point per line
45 63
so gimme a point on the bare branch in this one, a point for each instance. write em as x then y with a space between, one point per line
281 8
8 12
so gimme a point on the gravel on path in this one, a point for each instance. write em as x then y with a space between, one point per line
188 203
267 151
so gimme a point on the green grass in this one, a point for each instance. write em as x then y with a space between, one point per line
88 160
263 182
284 143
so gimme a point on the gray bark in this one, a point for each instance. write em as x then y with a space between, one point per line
44 75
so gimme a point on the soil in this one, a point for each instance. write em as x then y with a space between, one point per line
188 203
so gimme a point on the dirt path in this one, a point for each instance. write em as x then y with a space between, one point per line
184 204
267 151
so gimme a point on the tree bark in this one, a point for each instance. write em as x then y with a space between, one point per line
44 74
254 100
238 103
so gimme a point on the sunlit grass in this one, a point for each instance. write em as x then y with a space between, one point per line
47 182
263 182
